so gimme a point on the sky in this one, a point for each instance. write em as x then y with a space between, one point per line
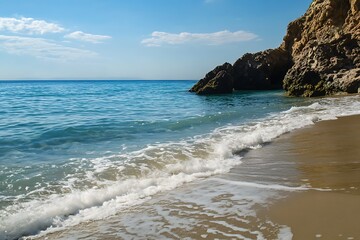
135 39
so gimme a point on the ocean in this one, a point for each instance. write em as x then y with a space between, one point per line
123 159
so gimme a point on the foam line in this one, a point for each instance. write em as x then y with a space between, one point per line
160 167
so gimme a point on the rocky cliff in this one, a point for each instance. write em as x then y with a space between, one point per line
320 55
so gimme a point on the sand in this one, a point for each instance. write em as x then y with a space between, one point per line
267 196
327 156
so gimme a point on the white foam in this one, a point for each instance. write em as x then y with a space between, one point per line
314 106
285 233
91 204
263 186
133 177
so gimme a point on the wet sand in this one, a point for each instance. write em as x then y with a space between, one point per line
303 185
327 156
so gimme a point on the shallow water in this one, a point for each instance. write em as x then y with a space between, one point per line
324 156
74 152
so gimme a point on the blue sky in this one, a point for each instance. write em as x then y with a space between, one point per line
135 39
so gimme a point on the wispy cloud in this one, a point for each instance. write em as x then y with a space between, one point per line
41 48
217 38
13 40
87 37
28 26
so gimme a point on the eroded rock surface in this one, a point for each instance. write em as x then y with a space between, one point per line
320 55
261 71
325 48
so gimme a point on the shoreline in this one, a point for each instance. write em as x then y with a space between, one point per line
273 194
327 157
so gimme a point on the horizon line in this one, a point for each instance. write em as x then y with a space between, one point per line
94 79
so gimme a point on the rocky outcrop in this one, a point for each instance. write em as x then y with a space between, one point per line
320 55
218 80
325 47
261 71
325 69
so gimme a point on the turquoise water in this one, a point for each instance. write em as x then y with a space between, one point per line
52 121
71 146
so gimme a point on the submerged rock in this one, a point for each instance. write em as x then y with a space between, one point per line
320 55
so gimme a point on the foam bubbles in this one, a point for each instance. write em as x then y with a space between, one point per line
285 233
100 187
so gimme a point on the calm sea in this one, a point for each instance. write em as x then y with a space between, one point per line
77 151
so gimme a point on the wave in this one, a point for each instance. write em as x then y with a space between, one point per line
115 182
62 136
270 186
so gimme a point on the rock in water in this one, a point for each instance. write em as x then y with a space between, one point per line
261 71
221 83
218 80
320 55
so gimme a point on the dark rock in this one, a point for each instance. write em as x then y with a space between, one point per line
320 55
209 77
221 83
261 71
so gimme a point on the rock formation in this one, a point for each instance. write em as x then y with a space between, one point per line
320 55
218 80
325 47
262 70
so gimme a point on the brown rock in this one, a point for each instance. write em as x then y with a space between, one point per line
320 55
221 83
263 70
325 47
209 79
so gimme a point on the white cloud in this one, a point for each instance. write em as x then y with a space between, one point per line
87 37
216 38
44 47
41 48
28 26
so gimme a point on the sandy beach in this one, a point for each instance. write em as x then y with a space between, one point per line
186 120
304 185
327 156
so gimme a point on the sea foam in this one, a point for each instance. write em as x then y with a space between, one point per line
160 167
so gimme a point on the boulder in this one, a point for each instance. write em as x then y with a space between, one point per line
221 83
212 82
261 71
